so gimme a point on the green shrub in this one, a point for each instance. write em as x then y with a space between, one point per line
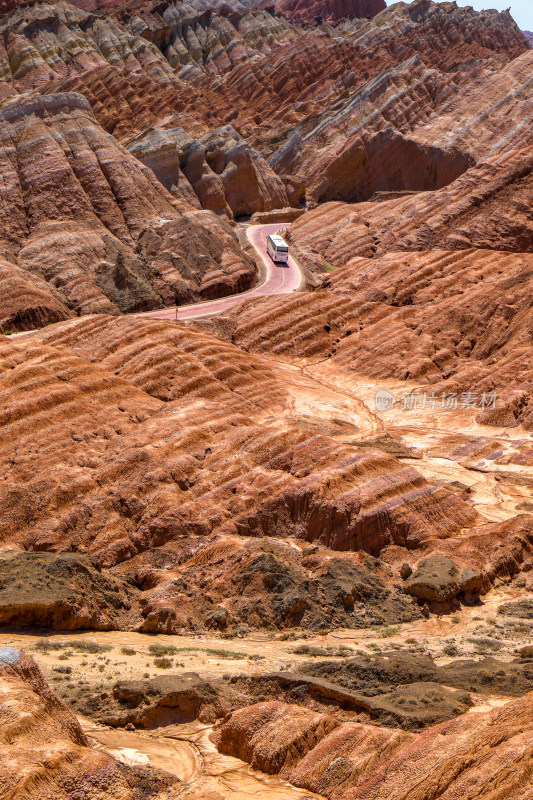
162 650
340 651
485 642
83 646
390 630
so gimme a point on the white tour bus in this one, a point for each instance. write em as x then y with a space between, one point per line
277 248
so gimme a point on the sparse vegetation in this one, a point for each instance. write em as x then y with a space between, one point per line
340 651
170 650
455 620
45 646
163 663
86 646
162 650
330 267
389 630
450 649
127 651
485 642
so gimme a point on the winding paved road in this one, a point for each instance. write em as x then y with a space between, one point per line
280 279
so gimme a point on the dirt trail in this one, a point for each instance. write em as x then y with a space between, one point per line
187 752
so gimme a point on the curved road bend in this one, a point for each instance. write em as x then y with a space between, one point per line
280 279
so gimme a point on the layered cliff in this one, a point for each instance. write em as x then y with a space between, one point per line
219 171
87 218
45 755
304 11
481 754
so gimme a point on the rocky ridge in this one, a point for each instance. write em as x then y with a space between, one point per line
45 754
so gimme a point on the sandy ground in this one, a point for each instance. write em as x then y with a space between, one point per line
185 751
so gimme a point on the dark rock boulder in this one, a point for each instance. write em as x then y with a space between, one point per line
62 591
436 580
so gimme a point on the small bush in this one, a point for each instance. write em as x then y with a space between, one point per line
162 663
63 670
169 650
127 651
485 642
45 645
526 652
450 650
340 651
390 630
455 620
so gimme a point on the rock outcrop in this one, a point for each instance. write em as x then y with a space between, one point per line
438 582
273 736
84 216
471 754
165 700
44 753
27 301
225 175
61 592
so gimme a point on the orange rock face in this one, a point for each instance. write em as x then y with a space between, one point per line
466 758
45 754
270 468
88 219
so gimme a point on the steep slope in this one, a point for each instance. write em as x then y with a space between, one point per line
451 321
479 755
219 170
303 10
87 218
45 755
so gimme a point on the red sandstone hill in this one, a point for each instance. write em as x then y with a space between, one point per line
235 473
479 755
85 217
303 10
44 753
